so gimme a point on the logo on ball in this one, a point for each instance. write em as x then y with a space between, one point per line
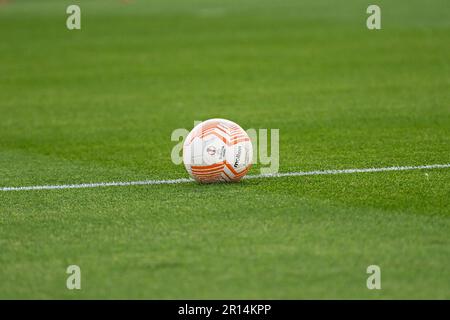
211 150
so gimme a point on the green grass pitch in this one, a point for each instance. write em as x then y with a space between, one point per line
99 104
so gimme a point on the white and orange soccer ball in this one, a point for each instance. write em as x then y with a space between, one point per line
217 150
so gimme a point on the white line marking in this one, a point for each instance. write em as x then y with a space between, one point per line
343 171
259 176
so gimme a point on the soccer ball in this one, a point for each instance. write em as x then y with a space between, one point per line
217 150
